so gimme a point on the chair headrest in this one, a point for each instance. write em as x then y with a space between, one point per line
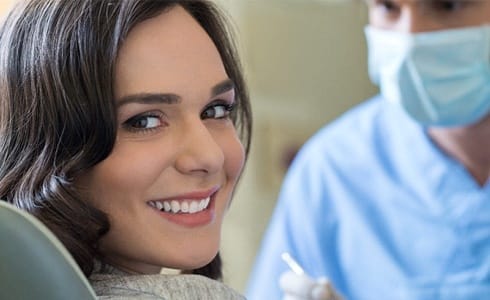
34 264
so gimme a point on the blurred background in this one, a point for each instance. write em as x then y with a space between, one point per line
305 62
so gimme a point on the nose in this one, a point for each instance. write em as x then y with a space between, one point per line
199 151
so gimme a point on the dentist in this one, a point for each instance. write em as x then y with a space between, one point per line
392 200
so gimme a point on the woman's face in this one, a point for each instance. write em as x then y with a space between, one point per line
169 179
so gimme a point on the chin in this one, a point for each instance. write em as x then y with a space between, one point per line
201 262
194 260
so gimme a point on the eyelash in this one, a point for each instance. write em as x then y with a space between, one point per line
133 124
228 109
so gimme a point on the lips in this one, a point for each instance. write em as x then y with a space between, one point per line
187 206
189 210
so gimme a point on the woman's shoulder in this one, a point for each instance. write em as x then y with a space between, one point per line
161 286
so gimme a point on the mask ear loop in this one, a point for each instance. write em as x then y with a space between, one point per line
419 85
486 30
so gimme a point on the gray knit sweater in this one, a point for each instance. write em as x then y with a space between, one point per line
113 284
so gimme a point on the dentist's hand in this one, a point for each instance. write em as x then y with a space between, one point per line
303 287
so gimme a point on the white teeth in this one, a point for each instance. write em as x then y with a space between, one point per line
194 207
175 206
201 205
167 207
186 206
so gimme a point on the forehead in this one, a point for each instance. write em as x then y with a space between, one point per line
171 51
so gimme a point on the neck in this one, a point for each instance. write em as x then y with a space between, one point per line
469 145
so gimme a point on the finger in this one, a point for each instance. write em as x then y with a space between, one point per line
296 285
323 290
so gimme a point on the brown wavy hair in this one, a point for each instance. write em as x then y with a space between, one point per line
57 111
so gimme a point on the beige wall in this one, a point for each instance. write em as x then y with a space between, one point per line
306 63
5 5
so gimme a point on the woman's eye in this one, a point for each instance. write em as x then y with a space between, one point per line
143 122
217 111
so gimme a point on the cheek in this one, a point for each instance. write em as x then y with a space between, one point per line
127 173
234 157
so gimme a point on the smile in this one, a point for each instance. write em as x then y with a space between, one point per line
193 209
181 206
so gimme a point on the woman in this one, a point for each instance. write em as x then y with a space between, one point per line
120 128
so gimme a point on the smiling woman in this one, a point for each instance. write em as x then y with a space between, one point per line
124 127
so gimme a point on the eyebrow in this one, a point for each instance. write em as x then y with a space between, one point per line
149 98
222 87
169 98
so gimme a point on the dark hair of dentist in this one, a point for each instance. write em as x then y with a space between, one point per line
60 119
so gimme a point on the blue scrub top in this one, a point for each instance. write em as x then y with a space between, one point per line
371 203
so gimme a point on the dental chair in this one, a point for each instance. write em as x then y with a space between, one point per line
33 262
